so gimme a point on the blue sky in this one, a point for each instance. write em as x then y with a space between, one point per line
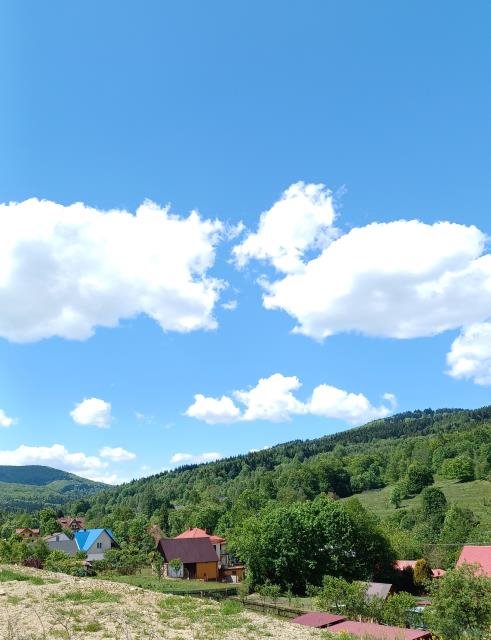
111 325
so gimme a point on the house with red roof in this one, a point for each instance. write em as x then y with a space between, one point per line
229 569
476 554
404 565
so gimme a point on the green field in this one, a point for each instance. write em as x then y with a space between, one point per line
475 495
172 586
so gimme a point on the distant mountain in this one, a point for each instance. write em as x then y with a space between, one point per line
31 487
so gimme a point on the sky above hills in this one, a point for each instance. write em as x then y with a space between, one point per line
228 225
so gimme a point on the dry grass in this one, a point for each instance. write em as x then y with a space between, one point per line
75 608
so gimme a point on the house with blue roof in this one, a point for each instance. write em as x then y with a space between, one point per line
95 542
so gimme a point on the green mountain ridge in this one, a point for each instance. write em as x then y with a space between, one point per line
32 487
218 495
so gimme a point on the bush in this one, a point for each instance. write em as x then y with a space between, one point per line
460 605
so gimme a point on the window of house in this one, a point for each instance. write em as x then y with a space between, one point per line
57 538
99 545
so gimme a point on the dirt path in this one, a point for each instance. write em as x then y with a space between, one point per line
48 606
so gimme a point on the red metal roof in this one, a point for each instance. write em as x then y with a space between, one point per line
379 631
480 555
318 620
196 532
406 564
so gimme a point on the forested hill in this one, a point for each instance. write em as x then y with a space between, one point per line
219 494
31 487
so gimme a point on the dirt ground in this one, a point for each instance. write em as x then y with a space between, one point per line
74 608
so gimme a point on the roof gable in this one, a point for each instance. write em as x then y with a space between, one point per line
87 537
378 590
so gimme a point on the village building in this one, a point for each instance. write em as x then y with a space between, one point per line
27 533
61 542
198 558
217 542
94 542
478 555
229 569
74 524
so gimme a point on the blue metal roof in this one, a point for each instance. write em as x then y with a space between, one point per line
86 537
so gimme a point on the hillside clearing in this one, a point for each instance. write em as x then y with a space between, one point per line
474 495
75 608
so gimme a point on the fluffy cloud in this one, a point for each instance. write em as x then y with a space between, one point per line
94 412
5 420
65 270
401 279
331 402
470 354
116 454
300 221
273 399
213 410
191 458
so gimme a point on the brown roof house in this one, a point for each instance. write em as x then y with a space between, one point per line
197 557
27 533
74 524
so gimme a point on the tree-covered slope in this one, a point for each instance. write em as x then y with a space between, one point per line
218 495
31 487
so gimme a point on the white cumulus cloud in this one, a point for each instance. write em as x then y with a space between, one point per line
301 220
331 402
5 420
273 399
92 412
195 458
403 279
470 354
213 410
116 454
64 270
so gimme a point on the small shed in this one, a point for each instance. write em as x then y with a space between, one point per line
197 555
378 590
379 631
318 619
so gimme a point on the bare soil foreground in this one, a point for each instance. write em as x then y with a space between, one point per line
39 605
